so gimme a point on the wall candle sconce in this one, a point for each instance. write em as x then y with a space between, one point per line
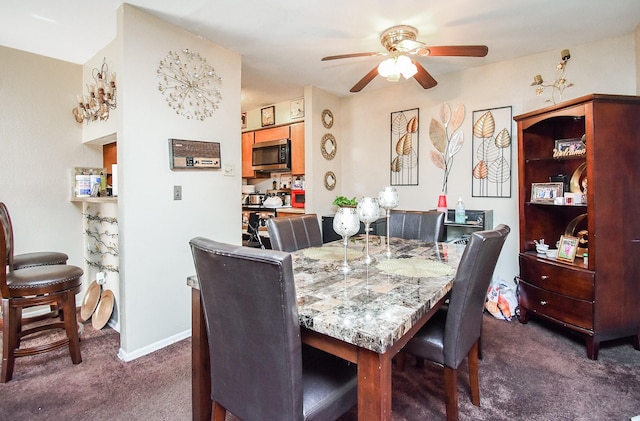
101 97
560 84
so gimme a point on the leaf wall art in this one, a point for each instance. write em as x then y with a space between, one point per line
447 139
492 154
404 147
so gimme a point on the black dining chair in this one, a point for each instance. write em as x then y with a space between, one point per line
260 370
452 334
418 225
294 232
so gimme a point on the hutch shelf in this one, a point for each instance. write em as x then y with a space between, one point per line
598 299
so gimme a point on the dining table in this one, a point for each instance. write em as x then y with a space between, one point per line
365 313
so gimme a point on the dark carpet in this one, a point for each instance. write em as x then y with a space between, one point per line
529 372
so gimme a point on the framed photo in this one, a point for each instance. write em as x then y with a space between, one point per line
567 247
297 108
268 116
569 148
546 192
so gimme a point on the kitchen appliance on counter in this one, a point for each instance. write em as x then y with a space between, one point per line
255 199
297 198
281 198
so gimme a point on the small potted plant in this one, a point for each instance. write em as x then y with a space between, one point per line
345 202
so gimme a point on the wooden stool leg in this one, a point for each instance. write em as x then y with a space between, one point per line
71 326
8 341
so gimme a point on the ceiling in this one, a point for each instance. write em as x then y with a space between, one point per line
282 41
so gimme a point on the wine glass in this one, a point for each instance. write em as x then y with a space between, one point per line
346 223
368 211
388 199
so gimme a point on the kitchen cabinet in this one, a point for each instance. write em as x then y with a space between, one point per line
274 133
247 143
294 132
297 148
597 300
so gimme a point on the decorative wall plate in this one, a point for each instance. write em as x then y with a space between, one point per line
328 146
190 84
329 180
577 182
327 118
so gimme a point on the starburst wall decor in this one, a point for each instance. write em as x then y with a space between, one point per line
190 84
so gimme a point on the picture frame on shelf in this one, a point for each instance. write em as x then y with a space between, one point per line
567 247
546 192
268 116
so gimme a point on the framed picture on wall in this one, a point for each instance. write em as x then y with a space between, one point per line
268 116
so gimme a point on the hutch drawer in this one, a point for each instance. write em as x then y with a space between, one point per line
557 306
562 279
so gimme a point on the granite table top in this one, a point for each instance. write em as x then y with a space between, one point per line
373 305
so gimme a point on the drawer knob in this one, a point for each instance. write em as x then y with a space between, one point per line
544 277
543 302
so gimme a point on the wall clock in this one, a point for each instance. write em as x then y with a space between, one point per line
190 84
327 118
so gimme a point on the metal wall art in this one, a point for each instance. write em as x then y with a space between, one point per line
404 147
447 139
190 84
491 159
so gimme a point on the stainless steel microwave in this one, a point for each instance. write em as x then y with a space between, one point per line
273 155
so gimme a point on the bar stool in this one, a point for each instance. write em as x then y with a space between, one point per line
35 286
26 260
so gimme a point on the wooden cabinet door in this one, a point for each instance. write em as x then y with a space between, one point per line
297 149
273 133
247 144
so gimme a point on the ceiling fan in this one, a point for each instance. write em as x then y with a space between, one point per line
400 43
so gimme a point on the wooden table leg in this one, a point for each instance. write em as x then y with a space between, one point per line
374 386
200 368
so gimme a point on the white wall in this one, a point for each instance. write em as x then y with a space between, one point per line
607 66
155 258
39 146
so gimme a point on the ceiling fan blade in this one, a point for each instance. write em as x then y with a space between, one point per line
423 77
365 80
351 55
455 50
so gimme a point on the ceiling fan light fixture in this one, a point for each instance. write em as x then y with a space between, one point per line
406 66
387 67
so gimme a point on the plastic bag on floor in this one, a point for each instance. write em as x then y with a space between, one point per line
502 298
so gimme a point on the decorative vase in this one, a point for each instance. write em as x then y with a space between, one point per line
368 211
346 223
442 205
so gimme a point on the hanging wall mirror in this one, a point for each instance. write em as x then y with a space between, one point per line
328 146
329 180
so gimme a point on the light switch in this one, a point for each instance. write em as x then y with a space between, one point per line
177 192
228 169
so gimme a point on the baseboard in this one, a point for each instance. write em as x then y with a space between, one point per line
130 356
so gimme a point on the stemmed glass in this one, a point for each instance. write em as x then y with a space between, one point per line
346 223
368 211
388 199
